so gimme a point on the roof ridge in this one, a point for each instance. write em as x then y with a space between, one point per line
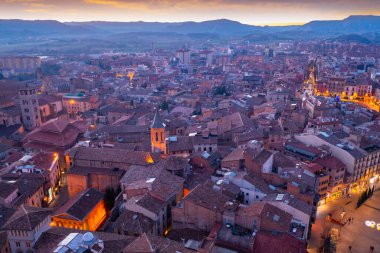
150 244
27 216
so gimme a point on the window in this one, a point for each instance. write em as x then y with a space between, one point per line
26 110
156 136
27 244
18 244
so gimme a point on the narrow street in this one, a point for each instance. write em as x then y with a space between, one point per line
62 197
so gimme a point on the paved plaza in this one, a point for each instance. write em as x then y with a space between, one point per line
356 233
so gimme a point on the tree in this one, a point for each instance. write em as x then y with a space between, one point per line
164 106
364 196
109 198
328 241
220 90
49 69
104 66
197 112
360 201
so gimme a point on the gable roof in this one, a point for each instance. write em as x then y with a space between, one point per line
55 125
81 205
157 121
112 155
141 244
266 241
262 157
330 162
49 240
208 198
161 182
147 243
27 218
5 214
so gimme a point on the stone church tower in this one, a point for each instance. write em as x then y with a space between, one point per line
158 135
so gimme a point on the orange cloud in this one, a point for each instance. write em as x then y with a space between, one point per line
119 4
154 5
24 1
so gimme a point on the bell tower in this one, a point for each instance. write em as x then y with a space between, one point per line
157 135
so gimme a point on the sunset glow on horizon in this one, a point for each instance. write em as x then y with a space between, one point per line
255 12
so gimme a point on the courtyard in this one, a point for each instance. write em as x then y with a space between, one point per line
361 233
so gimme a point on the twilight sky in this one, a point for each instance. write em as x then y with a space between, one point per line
256 12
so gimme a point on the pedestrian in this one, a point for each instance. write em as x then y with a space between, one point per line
350 248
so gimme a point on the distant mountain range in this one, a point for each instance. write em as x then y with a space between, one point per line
225 28
220 27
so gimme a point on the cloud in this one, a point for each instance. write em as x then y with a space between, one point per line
118 4
37 10
246 11
22 1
